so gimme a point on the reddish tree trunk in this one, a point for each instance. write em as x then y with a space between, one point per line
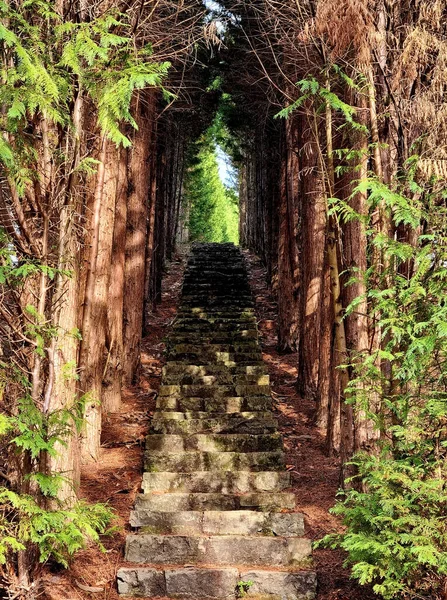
137 208
288 270
313 237
113 373
92 357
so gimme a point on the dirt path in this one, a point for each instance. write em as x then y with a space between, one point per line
116 478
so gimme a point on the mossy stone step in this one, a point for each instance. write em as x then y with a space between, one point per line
213 442
219 404
225 283
226 351
217 550
219 522
244 346
225 482
203 359
175 501
213 390
246 416
175 367
208 302
179 367
183 462
222 424
214 337
198 313
199 583
221 378
205 327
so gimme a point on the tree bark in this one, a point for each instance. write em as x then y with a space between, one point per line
288 270
314 243
137 208
92 357
113 372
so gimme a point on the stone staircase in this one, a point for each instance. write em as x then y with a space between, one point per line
215 519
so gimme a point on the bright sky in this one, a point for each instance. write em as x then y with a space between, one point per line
228 174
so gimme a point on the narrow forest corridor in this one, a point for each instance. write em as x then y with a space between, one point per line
312 477
223 264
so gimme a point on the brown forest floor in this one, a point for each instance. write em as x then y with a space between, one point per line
116 477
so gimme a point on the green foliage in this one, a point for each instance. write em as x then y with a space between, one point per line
214 212
395 514
50 61
58 534
396 536
311 89
243 587
57 531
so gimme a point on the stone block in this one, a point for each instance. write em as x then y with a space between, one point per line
218 550
184 462
209 442
280 585
227 482
203 584
179 501
141 582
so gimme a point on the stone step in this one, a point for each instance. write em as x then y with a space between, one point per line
175 501
235 293
247 346
230 423
176 367
223 405
220 351
248 315
227 282
222 378
205 327
213 337
204 415
213 442
204 359
184 462
226 482
192 319
213 390
199 583
219 522
199 274
217 550
217 304
210 361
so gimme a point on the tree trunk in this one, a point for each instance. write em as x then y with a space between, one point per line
151 225
288 270
96 300
62 387
243 205
137 208
313 243
113 372
356 324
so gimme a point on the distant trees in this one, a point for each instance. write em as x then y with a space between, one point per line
212 206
